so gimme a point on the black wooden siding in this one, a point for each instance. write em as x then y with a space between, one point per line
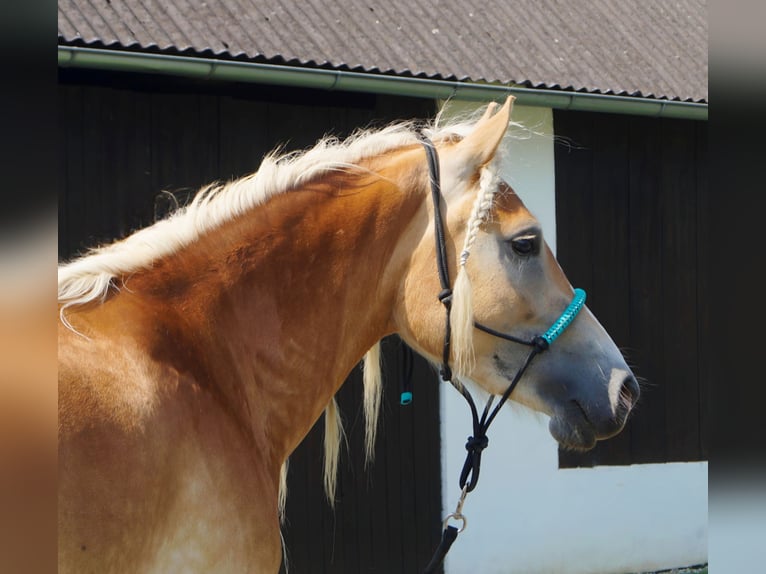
123 139
632 214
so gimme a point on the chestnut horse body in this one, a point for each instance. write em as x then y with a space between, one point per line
196 354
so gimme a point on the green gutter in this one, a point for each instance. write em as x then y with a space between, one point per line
224 70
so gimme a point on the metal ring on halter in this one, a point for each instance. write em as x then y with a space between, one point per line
456 516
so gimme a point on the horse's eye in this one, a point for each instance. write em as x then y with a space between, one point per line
525 245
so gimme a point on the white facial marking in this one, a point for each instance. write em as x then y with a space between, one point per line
615 385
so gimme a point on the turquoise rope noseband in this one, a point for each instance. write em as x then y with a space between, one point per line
566 317
554 331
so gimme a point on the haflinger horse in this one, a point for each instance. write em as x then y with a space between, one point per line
197 353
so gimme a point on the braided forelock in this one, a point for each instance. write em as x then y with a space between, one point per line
488 185
461 315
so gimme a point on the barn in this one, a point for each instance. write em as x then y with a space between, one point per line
610 153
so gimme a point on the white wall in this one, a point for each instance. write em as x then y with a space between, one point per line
528 516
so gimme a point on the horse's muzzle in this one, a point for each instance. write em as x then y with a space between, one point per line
579 423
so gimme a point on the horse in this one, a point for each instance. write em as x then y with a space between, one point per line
196 353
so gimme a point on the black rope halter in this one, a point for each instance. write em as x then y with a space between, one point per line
478 441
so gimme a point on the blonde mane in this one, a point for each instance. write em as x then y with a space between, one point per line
90 277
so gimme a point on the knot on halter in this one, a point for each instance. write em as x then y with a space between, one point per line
469 476
541 343
445 296
477 443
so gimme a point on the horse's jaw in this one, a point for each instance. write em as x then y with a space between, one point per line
571 429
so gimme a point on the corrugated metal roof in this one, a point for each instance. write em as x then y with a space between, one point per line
648 48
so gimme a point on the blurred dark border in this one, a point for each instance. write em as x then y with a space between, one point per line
737 469
28 32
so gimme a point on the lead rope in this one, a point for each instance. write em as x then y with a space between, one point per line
475 445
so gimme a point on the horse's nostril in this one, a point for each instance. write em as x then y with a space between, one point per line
629 393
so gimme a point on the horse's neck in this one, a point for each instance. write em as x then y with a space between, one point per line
286 299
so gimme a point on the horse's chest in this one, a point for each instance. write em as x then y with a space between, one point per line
178 499
212 527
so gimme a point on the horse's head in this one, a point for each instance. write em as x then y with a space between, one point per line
505 277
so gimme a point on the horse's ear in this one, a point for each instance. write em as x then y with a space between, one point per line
491 107
479 147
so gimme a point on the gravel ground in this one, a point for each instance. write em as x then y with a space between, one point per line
701 569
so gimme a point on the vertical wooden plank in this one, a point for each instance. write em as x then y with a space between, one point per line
128 178
421 484
407 478
392 448
315 499
647 308
427 464
244 136
574 196
185 134
350 397
680 290
333 557
705 344
365 491
94 156
609 298
64 121
431 388
376 485
73 240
